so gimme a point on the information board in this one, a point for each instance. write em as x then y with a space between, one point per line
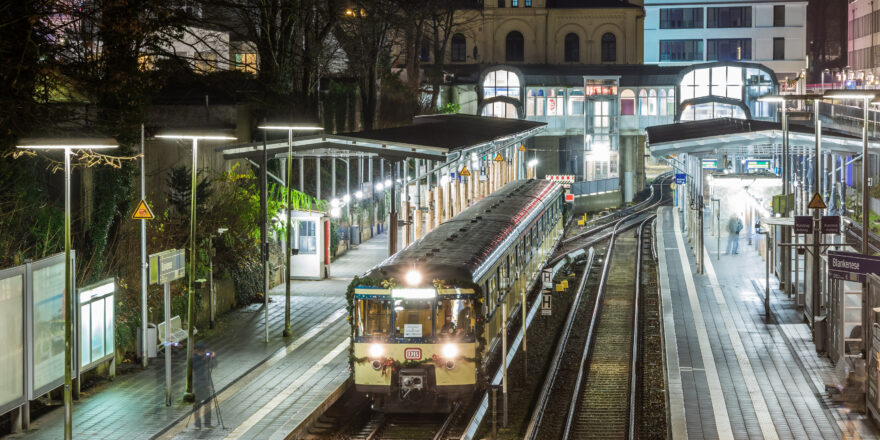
12 380
830 224
167 266
46 325
710 164
803 224
680 178
757 164
850 266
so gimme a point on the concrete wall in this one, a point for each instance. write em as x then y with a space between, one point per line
597 202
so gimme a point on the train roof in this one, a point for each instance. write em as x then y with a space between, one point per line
457 248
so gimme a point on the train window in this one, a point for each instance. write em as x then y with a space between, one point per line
412 318
373 318
455 317
492 294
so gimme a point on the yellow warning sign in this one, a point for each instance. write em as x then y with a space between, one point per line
142 212
464 171
522 147
498 157
816 202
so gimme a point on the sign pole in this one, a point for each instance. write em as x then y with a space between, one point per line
190 315
144 359
814 282
68 306
167 343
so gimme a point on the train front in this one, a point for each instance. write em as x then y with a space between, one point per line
415 348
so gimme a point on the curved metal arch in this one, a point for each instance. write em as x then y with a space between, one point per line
517 104
712 99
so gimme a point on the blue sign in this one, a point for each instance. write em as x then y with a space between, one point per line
850 266
680 178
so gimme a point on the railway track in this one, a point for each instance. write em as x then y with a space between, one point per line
408 426
604 405
596 371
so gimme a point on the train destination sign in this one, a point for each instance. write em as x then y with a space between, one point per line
803 224
850 266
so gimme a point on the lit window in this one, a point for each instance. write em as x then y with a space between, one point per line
501 83
652 102
556 102
627 102
662 95
576 102
246 62
643 102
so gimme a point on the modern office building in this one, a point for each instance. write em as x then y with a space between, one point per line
863 43
772 33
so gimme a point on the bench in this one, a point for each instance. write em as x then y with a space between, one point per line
177 333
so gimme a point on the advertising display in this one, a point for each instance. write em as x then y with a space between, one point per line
96 323
47 325
12 392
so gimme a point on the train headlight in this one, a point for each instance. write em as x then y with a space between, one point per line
449 351
376 351
413 277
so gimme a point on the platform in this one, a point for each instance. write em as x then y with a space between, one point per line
264 390
731 375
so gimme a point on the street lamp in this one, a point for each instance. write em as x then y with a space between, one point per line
190 316
67 145
866 97
290 128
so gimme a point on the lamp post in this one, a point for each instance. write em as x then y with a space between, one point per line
190 316
290 128
67 145
866 96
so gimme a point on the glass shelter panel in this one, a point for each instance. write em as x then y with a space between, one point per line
12 355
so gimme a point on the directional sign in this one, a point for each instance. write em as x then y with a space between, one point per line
710 164
830 224
850 266
522 147
680 178
464 172
498 157
546 305
816 202
803 224
142 211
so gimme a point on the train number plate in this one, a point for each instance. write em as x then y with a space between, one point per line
412 354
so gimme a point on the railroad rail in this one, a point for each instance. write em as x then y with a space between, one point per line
407 426
606 388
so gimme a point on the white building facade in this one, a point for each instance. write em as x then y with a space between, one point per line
772 33
863 51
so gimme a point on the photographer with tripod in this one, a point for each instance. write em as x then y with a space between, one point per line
203 363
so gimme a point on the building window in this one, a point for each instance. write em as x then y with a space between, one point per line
779 48
731 49
609 48
515 46
514 3
627 102
643 102
779 15
500 3
500 110
681 50
459 47
652 102
729 17
572 48
501 83
576 101
670 102
528 3
663 110
681 18
425 51
601 116
556 102
535 103
246 62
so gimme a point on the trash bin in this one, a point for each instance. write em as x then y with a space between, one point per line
355 235
152 340
820 333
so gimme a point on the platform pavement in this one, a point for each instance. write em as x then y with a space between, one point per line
264 387
739 377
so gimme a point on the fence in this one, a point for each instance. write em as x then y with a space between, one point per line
595 186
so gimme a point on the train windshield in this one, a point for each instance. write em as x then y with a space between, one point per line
412 318
455 317
373 318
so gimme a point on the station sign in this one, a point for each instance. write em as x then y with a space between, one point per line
850 266
680 178
830 224
710 164
167 266
803 224
757 164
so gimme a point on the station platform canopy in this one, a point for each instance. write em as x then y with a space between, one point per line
739 136
441 138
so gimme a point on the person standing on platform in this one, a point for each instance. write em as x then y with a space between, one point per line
734 226
203 363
